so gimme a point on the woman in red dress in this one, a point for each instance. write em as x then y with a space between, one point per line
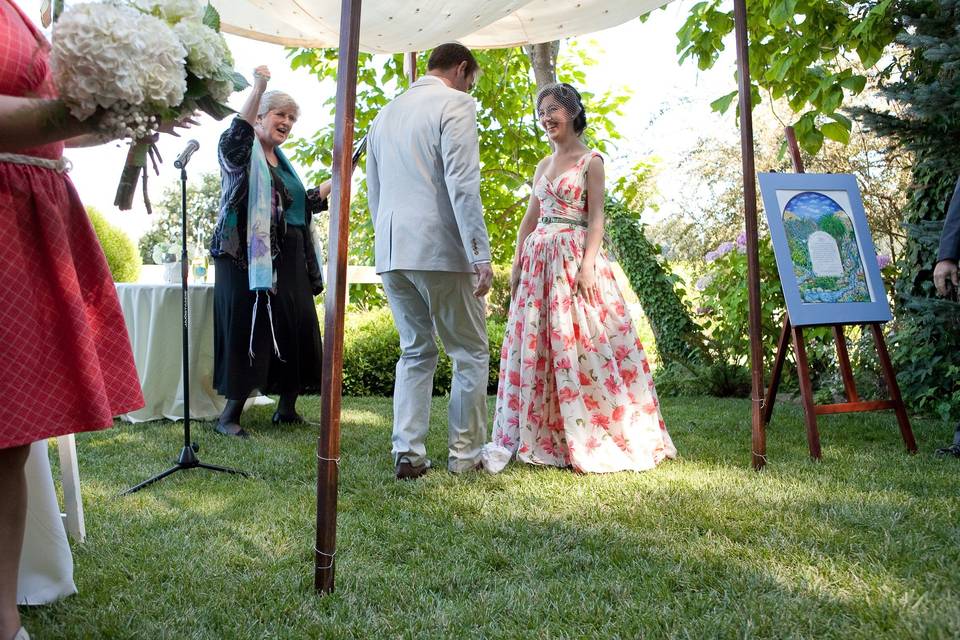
66 360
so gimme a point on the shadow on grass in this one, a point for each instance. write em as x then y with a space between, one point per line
863 544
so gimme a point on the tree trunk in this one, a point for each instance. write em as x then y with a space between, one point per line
543 59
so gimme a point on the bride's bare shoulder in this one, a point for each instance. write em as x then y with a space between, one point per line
542 165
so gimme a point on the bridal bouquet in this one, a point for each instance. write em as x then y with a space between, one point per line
134 64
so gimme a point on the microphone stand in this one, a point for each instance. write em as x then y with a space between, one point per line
188 455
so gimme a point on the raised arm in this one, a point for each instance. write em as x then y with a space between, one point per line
261 76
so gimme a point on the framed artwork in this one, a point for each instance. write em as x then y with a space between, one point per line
825 255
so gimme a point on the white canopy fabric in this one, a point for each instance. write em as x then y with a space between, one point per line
397 26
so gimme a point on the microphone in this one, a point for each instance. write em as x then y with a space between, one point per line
184 157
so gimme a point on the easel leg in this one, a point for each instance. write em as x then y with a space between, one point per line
806 393
843 358
777 372
905 431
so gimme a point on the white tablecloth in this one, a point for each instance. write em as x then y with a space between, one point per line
46 564
153 316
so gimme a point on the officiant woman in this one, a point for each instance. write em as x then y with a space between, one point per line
266 333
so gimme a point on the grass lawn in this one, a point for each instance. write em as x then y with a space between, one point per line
865 544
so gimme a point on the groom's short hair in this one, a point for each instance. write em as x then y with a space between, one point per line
451 54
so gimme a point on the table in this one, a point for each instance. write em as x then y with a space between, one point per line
153 316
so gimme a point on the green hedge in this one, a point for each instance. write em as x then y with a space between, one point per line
498 300
371 348
122 255
679 338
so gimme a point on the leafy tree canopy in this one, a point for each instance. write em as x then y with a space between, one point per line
811 53
202 205
511 142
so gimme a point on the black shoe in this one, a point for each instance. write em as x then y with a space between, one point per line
952 450
296 418
406 471
231 429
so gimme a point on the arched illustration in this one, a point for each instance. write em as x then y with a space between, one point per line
824 250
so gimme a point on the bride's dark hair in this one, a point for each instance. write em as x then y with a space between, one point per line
571 100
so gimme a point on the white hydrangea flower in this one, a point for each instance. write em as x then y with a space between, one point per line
206 49
113 56
220 90
173 11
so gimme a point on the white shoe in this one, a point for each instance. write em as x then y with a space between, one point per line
22 635
495 458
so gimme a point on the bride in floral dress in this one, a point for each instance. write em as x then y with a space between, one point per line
575 386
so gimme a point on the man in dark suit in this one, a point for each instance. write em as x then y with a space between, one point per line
945 277
945 273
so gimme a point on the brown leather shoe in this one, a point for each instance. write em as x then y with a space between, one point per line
406 471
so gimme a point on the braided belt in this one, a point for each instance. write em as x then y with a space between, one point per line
60 165
557 220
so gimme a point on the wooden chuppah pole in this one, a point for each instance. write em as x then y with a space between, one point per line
410 65
758 435
328 442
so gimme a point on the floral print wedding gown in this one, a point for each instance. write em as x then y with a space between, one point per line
575 386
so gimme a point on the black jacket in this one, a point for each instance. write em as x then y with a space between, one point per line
230 235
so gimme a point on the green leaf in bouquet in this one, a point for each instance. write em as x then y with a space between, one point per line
196 87
216 110
211 18
239 82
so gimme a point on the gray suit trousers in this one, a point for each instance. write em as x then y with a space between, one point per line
420 301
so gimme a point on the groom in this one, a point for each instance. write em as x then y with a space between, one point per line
433 254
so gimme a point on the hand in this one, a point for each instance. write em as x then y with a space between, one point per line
170 126
945 274
484 278
586 283
514 279
325 188
261 76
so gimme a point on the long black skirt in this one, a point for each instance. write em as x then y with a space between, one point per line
297 369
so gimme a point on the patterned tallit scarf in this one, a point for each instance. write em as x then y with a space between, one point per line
260 208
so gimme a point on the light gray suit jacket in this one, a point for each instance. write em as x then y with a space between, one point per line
423 181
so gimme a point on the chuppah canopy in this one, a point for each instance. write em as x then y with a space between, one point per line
398 26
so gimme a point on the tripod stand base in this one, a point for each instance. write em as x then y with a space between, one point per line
188 460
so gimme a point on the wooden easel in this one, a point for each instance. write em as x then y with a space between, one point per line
853 404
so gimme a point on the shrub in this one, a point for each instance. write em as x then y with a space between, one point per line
719 379
498 300
677 336
724 305
372 346
122 255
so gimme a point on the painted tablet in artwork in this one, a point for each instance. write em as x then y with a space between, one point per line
825 257
824 250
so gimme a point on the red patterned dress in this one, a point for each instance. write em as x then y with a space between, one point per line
575 386
65 359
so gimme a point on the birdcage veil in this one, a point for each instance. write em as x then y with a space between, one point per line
568 98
